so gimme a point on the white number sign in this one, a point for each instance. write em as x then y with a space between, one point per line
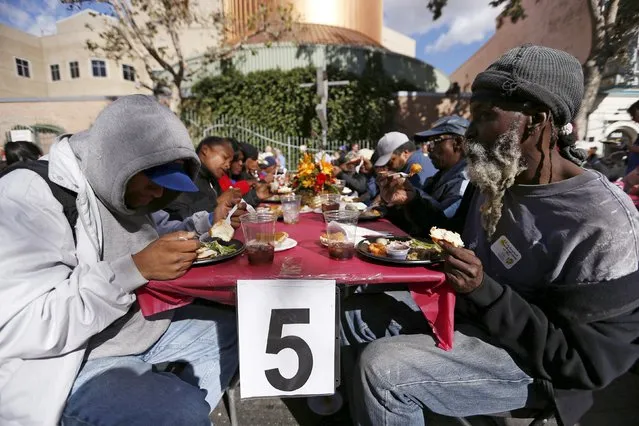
286 337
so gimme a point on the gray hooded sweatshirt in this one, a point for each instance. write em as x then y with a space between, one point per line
132 134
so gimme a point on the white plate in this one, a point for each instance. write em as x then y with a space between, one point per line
287 244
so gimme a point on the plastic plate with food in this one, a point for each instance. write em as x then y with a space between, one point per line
400 250
216 250
371 214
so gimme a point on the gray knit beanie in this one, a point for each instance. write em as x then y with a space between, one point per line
539 74
542 75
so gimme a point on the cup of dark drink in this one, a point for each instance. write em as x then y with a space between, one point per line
341 229
259 237
329 202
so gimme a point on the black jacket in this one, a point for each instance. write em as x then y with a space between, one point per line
189 203
573 338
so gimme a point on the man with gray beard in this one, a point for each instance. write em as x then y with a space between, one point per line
548 288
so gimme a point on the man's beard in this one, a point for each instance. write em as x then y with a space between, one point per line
494 170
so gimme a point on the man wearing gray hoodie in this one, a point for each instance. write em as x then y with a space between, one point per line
74 346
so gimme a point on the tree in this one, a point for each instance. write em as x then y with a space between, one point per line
615 23
150 32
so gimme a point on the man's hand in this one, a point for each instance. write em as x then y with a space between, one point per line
263 191
463 269
168 257
396 191
232 195
225 204
235 217
367 166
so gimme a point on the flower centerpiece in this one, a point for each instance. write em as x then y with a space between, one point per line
312 179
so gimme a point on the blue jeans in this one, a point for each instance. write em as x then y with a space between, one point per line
126 391
399 375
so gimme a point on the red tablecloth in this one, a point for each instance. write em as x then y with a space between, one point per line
308 260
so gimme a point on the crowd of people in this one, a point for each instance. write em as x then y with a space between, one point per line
547 304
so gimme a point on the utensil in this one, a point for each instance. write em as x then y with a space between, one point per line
228 217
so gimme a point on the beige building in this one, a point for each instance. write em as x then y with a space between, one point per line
60 65
56 80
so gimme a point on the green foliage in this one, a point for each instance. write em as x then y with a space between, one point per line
274 99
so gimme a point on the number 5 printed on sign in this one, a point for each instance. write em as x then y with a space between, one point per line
287 334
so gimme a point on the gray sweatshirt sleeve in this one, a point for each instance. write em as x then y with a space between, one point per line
199 222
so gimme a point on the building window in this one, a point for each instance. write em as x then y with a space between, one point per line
74 69
22 67
128 72
55 72
98 67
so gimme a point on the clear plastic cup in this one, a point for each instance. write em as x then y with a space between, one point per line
259 237
341 230
291 205
330 201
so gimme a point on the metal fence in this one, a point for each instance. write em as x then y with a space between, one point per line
262 137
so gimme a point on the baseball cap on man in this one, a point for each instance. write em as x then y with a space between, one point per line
450 125
387 145
171 176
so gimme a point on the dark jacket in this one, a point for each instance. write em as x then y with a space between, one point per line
438 200
572 338
189 203
357 182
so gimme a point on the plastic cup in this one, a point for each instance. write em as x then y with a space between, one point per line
341 229
259 237
329 201
291 205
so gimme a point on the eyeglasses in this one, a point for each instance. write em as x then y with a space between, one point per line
433 142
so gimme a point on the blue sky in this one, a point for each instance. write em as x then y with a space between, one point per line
445 43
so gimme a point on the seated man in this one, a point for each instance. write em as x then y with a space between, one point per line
548 294
215 153
396 153
442 194
253 192
74 345
344 169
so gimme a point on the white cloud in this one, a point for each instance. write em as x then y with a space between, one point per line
43 25
462 21
33 16
13 16
466 30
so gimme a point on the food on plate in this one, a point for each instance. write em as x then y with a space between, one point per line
347 190
397 249
214 249
335 236
222 230
414 169
371 213
404 249
284 190
439 235
355 206
279 237
377 249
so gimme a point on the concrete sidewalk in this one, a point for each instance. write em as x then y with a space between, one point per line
618 405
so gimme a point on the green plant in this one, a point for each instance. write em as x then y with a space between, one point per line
364 109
